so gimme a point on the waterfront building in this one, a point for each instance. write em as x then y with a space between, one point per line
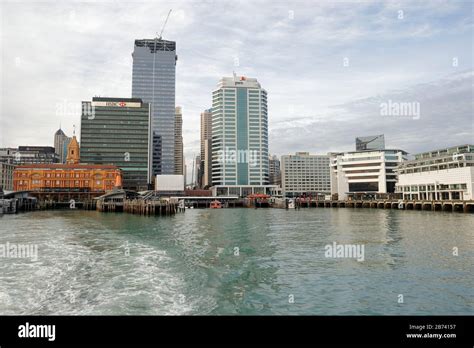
178 142
243 191
70 177
274 171
205 169
61 141
364 172
305 174
115 131
371 142
444 174
154 80
239 134
6 176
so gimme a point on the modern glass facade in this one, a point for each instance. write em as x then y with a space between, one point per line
117 133
373 142
239 133
153 80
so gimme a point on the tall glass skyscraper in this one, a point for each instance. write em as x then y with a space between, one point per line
239 132
154 81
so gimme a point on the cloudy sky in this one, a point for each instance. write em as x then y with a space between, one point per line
328 67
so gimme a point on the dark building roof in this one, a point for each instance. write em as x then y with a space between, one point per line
131 100
45 149
59 132
161 45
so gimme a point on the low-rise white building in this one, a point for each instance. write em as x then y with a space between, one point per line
364 172
445 174
243 191
169 184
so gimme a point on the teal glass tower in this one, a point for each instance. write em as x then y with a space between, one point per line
239 132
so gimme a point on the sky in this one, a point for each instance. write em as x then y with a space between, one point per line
329 67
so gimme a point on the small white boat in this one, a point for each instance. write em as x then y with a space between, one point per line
291 204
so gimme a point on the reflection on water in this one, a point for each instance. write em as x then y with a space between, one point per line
239 261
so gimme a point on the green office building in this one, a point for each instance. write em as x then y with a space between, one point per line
116 131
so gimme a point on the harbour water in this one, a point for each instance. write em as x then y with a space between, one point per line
239 261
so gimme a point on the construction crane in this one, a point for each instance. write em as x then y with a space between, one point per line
163 28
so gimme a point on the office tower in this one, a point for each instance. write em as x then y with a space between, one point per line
197 180
205 168
153 80
372 142
65 144
239 133
274 172
178 142
116 132
305 174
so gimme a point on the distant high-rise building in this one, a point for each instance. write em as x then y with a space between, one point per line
63 155
153 80
178 142
239 133
274 170
197 172
117 132
205 168
372 142
60 139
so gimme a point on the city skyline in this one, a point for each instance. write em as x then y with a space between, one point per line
355 62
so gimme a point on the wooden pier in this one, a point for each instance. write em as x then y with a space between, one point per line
131 202
449 206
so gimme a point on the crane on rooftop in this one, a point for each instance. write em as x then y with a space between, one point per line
163 28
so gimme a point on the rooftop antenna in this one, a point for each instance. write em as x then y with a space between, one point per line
73 129
163 28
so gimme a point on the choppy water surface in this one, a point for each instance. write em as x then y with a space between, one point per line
239 261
